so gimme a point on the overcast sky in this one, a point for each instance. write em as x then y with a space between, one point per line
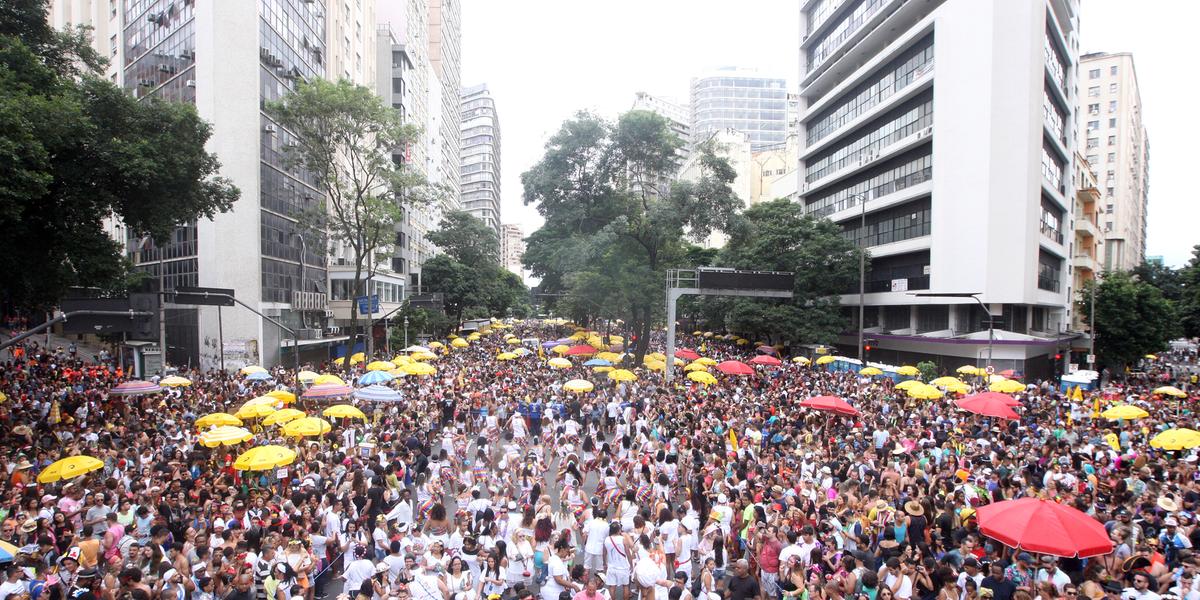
546 59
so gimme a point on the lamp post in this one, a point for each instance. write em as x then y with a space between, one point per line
862 270
974 296
405 331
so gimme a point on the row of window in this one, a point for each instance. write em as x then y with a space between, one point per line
173 57
182 243
850 24
280 279
879 86
1055 65
896 224
1094 91
740 82
1049 271
898 174
1051 223
1095 73
733 93
897 124
1053 116
150 22
1094 142
176 273
821 11
1094 108
1052 167
777 116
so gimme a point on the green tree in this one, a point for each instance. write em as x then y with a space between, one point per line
468 274
1167 280
928 369
76 149
611 230
778 236
1132 319
1189 295
344 136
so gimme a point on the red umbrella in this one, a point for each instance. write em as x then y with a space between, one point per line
1009 373
582 350
733 367
831 404
989 396
686 354
763 359
765 350
987 406
1046 527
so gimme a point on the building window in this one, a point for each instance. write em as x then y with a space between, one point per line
1108 209
1094 74
1049 271
1052 167
1112 88
894 175
1094 91
1112 140
1112 157
1112 106
1094 109
1093 143
1112 70
1093 160
1052 217
1093 125
1112 123
909 118
896 224
112 45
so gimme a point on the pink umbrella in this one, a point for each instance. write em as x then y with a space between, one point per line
733 367
686 354
581 350
831 404
988 396
135 387
988 407
765 350
1044 527
763 359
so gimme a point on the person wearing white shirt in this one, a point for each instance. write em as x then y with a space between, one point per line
358 571
559 577
1139 591
1050 572
594 532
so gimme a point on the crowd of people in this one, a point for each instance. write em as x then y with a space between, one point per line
490 480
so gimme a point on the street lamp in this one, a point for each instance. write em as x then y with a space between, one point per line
405 331
862 270
974 296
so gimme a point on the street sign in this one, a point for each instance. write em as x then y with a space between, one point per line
204 296
991 370
730 279
1091 359
363 308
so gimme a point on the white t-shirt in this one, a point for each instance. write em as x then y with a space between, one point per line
906 589
551 589
616 554
358 572
597 530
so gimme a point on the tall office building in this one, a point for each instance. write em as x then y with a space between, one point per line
741 99
445 43
229 60
480 170
512 247
948 127
678 116
1113 139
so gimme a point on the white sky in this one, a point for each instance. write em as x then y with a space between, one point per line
546 59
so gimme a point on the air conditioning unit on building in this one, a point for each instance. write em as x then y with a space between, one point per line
309 334
191 83
331 331
268 128
328 314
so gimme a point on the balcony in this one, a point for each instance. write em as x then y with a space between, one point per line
1085 262
1086 228
1051 233
902 284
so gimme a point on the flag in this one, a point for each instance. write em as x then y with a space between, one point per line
1113 441
1096 407
733 439
541 353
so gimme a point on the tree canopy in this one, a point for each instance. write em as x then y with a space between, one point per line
1132 319
76 149
468 274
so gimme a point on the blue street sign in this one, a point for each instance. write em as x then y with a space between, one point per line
363 309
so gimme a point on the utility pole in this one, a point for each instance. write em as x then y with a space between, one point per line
405 331
862 275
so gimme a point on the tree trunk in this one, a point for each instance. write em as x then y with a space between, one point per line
354 313
643 329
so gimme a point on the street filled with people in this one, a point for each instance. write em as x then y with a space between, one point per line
532 459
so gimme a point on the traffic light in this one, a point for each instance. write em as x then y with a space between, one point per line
1057 357
868 344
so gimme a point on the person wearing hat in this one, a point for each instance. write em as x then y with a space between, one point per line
84 585
1171 540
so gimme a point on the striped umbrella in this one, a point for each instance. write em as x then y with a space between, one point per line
259 376
374 377
378 393
328 390
135 387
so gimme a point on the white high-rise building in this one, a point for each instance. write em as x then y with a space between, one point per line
228 58
512 247
741 99
480 168
954 121
1114 141
445 44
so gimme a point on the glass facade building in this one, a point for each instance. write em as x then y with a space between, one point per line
733 99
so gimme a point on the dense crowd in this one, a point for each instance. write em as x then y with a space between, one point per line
490 480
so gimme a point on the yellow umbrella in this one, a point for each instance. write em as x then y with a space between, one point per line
254 411
702 377
175 381
357 357
1124 411
424 355
800 360
381 365
439 345
263 400
401 359
307 376
945 381
655 356
224 436
871 372
419 369
283 396
959 388
655 365
695 365
742 341
263 458
252 369
697 333
578 386
1152 357
513 341
1169 390
307 427
622 375
969 370
218 418
474 337
611 357
560 349
826 359
704 360
708 334
506 356
578 335
601 369
908 384
559 362
72 466
1176 439
280 417
329 378
908 371
1008 386
339 361
460 343
924 392
344 411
